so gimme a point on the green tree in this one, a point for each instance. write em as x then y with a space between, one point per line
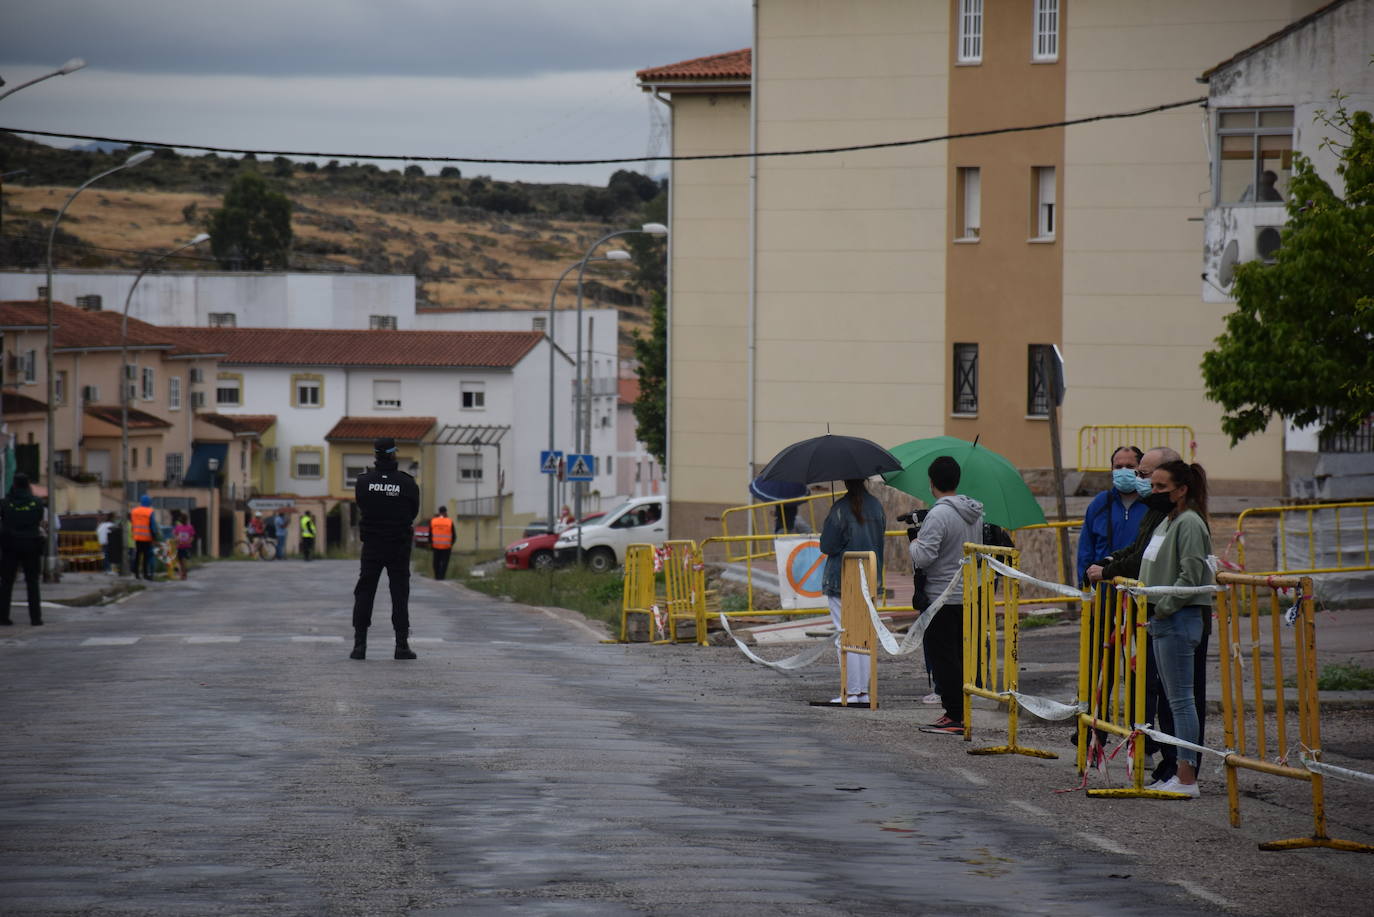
651 353
253 226
1300 343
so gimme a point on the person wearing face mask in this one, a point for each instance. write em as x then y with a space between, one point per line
1177 555
1112 519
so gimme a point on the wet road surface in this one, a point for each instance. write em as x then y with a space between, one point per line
208 748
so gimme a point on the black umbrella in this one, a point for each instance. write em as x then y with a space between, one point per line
829 458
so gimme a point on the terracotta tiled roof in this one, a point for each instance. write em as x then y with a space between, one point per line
629 391
1292 27
322 347
78 329
730 66
15 403
401 429
138 420
254 424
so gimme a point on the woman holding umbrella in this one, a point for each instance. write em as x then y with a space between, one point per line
855 523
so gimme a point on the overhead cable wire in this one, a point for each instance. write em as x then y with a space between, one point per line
762 154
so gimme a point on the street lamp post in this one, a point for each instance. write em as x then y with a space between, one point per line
614 255
51 464
124 371
579 433
70 66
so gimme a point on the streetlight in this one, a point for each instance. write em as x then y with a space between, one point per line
51 465
579 432
70 66
124 363
613 255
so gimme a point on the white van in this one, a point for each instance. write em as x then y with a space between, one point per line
638 520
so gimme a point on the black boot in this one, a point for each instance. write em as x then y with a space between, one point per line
359 644
403 650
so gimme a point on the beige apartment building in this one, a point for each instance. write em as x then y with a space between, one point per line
905 291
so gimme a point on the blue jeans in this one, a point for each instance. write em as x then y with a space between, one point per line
1175 640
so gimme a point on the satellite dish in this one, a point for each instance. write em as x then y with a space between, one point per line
1226 271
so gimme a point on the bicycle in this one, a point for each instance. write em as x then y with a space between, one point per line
262 548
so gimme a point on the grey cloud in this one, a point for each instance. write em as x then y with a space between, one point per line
370 37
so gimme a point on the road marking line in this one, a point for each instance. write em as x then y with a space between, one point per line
1194 889
426 639
109 641
1104 844
315 639
212 638
1031 808
970 776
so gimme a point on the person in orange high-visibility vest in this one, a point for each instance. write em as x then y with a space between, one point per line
441 541
145 532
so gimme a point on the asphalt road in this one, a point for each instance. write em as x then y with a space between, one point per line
208 748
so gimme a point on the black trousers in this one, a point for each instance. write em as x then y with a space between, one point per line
945 639
143 559
441 562
307 548
26 553
394 558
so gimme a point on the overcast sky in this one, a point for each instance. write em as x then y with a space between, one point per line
520 79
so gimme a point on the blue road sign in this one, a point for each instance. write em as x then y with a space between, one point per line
581 467
548 461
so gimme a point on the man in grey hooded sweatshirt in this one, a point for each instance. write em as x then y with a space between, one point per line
939 550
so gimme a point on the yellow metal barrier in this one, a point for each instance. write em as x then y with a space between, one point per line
983 677
637 589
1097 442
684 581
1256 747
1064 563
80 551
756 520
1296 529
856 625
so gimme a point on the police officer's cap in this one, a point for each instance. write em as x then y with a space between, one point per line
384 445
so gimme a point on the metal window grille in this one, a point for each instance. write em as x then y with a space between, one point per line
1038 358
1361 439
175 467
966 378
1046 30
90 303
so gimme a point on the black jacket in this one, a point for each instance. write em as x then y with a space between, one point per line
389 500
1127 563
20 515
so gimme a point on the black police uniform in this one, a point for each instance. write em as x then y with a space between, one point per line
389 500
21 545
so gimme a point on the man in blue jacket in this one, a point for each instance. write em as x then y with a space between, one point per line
1112 519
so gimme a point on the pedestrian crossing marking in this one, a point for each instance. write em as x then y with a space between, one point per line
213 638
313 639
109 641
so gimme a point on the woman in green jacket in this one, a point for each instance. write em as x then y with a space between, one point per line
1177 556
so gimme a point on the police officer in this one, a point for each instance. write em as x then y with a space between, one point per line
307 535
21 545
441 541
388 499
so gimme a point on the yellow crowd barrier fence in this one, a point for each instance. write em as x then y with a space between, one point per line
637 591
1259 732
1309 538
1097 442
759 521
984 676
686 598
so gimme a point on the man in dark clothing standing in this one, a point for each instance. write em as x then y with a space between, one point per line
21 545
388 499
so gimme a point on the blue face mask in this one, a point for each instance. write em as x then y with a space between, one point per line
1123 479
1142 486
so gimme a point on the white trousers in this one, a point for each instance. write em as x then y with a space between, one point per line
856 668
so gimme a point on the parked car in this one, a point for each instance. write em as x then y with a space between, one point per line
534 550
421 531
639 520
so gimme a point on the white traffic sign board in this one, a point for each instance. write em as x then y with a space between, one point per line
548 461
581 467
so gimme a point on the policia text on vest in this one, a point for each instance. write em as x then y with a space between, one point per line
388 500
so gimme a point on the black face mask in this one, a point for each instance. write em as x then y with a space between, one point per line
1160 502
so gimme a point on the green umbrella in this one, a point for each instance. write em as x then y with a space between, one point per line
984 475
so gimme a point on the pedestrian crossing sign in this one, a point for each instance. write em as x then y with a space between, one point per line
548 461
581 467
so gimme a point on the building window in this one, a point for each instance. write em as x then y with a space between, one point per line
474 396
133 457
381 322
223 320
540 323
355 465
146 386
1255 155
173 393
966 378
90 303
968 203
148 457
469 466
29 367
386 394
175 468
1042 197
1046 30
307 390
229 390
970 31
307 463
610 464
59 387
1038 357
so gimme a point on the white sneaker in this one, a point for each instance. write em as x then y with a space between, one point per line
1173 786
851 699
931 700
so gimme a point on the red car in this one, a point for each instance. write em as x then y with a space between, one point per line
535 550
